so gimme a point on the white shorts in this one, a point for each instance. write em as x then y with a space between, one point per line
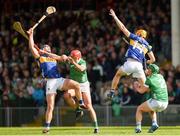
156 105
133 67
85 87
53 84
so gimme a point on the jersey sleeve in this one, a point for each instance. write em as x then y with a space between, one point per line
149 47
133 36
148 82
83 63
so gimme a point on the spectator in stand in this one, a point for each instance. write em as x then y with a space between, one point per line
177 91
38 95
93 34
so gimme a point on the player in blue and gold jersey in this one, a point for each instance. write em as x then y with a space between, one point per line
135 55
54 80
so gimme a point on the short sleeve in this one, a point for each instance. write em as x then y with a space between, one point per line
149 47
148 82
133 36
83 63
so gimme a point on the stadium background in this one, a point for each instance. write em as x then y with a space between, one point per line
87 26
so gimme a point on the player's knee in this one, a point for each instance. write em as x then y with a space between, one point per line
139 108
50 107
76 86
89 107
66 95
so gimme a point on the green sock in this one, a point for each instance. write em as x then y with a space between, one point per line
95 124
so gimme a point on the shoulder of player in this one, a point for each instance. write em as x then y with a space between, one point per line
82 61
45 59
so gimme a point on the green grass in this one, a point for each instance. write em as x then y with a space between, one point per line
87 131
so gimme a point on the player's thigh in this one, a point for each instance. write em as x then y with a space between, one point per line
50 98
85 89
87 98
120 72
69 94
138 71
144 107
127 68
70 84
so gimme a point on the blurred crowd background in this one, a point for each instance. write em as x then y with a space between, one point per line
96 35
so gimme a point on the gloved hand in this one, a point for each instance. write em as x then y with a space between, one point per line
111 94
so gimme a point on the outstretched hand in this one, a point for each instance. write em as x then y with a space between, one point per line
30 31
64 58
112 13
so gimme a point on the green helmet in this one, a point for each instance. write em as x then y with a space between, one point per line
154 68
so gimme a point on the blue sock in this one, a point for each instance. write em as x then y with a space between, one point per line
81 102
47 125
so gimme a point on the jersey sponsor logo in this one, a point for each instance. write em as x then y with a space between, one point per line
46 59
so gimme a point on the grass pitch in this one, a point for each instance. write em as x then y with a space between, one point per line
88 131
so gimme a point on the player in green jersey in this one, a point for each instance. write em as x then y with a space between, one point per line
78 73
158 102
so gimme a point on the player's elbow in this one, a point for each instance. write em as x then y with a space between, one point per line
82 69
141 92
125 31
153 59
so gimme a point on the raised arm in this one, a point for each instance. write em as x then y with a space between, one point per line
119 23
61 58
32 47
152 58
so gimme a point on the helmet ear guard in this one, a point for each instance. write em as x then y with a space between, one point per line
76 53
141 33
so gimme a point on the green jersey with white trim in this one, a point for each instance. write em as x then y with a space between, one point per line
77 75
158 87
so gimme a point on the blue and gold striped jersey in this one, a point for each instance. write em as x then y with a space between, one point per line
138 47
48 66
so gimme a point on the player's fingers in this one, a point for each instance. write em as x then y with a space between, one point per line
27 31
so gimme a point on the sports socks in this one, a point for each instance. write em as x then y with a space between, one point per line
47 125
138 125
81 102
95 124
154 123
